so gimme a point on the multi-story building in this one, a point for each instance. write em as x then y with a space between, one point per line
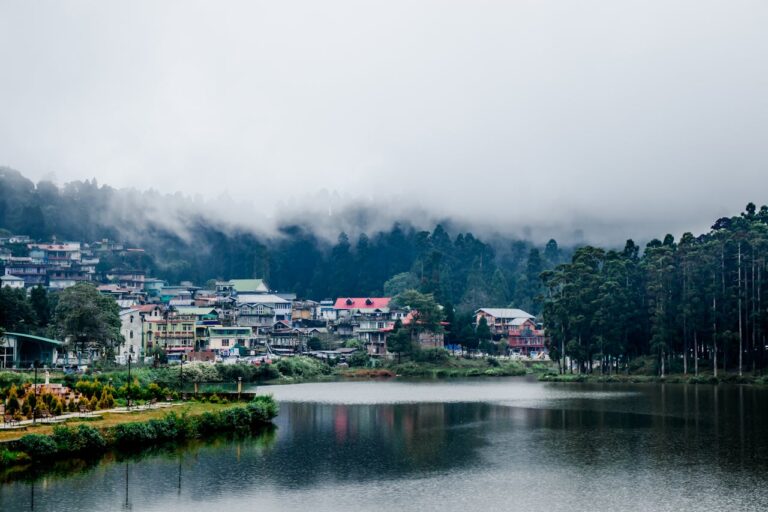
369 319
519 328
173 332
500 319
33 274
281 308
56 254
224 340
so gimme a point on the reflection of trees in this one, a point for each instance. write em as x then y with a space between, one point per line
682 425
368 442
674 426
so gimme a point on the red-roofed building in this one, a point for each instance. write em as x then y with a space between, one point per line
349 303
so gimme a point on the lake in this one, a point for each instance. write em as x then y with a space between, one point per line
486 444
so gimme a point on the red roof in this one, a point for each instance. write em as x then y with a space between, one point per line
362 303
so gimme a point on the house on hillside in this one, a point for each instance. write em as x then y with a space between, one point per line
33 274
369 319
519 328
234 287
500 319
11 282
281 308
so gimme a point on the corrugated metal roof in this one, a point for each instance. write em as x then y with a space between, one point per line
249 285
505 312
264 298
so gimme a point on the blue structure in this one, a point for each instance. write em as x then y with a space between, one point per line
18 350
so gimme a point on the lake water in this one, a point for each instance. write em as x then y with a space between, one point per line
488 444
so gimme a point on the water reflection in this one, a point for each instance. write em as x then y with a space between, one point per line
641 447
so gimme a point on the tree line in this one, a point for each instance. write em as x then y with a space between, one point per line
693 303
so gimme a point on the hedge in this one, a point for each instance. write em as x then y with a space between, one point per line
85 440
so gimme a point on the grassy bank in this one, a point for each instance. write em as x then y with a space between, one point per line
132 431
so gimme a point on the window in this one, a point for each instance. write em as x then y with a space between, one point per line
130 335
224 343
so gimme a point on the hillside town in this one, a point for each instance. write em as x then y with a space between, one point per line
228 320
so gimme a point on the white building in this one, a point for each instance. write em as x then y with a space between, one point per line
280 306
11 282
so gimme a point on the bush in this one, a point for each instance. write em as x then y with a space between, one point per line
132 435
301 367
263 409
83 438
358 359
9 458
38 446
432 355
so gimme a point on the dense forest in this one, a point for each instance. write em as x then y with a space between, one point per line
459 269
691 302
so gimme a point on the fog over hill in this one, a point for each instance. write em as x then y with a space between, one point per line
534 119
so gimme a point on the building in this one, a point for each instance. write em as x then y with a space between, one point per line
327 312
500 319
33 274
132 329
173 332
226 340
369 319
18 350
527 337
60 277
11 282
56 255
281 308
519 328
234 287
304 310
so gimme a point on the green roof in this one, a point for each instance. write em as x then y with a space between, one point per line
249 285
36 338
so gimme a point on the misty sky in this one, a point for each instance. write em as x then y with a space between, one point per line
624 118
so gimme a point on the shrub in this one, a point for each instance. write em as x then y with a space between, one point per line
208 423
82 438
432 355
38 446
131 435
262 409
12 405
9 458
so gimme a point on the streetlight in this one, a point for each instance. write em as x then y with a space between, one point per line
181 373
129 382
34 411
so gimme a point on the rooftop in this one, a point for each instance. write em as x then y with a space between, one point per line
249 285
362 303
505 312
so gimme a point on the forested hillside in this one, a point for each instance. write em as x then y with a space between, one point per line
459 268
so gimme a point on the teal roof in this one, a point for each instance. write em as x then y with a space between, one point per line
249 285
36 338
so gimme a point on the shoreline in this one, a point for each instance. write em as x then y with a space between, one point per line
86 439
